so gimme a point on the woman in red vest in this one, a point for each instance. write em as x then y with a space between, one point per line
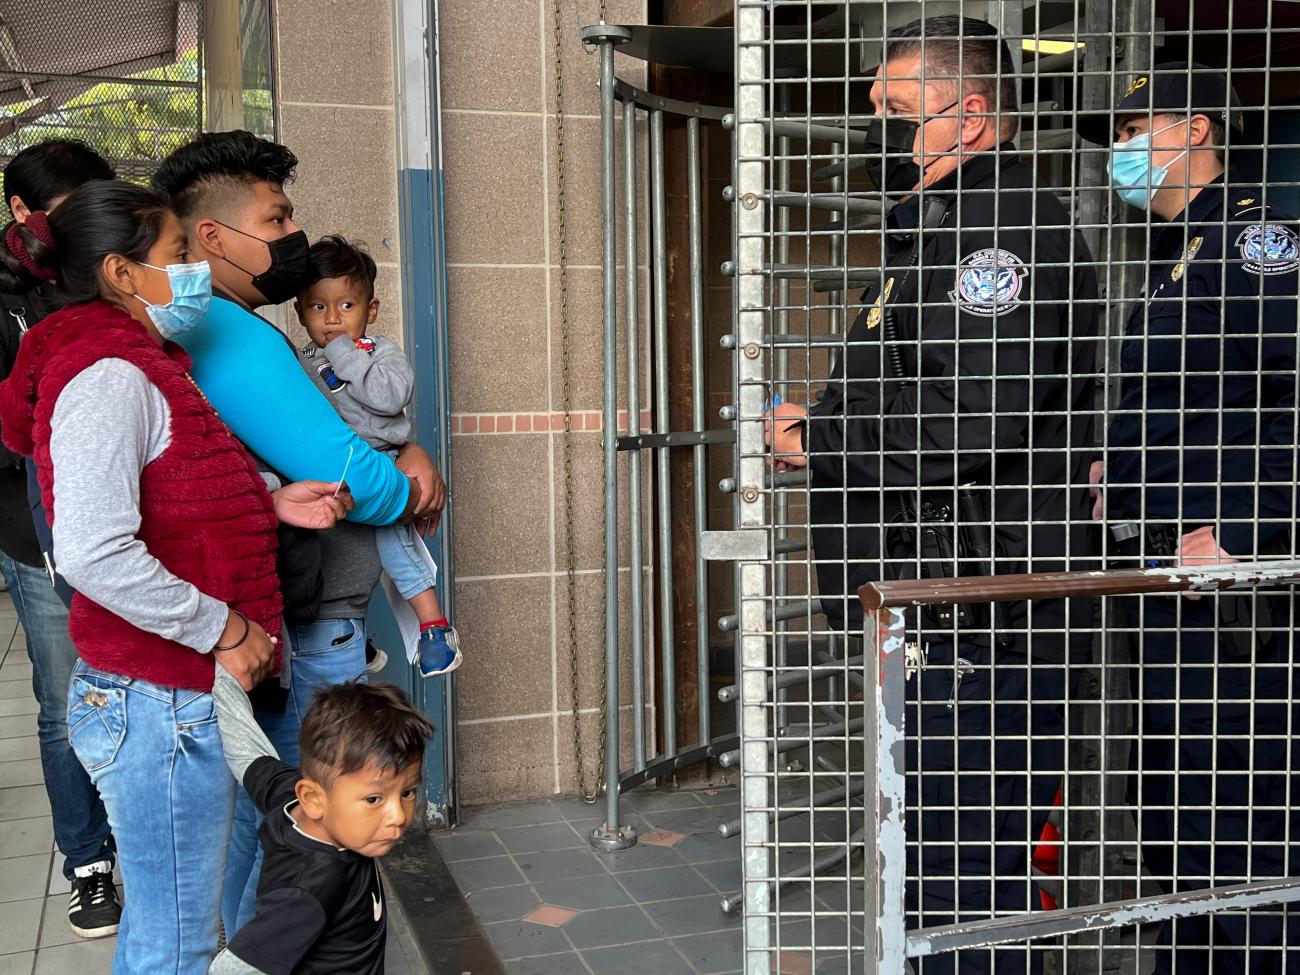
167 531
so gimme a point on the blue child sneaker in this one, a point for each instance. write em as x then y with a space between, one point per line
439 651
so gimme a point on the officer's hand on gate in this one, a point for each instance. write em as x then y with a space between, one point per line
783 435
1201 548
1095 474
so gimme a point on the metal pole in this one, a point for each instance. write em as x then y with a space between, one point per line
698 393
611 836
631 310
659 281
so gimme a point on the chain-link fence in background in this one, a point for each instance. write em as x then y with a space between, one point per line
125 76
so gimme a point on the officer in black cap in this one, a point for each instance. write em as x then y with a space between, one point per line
1200 468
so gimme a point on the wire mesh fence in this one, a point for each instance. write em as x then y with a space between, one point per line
1017 294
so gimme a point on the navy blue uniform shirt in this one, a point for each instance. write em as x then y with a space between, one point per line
1205 424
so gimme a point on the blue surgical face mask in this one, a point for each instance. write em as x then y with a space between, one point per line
1132 172
191 295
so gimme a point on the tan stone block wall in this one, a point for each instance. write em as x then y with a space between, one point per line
500 156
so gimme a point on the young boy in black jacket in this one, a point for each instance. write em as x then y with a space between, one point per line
320 901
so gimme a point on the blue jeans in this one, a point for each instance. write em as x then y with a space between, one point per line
155 754
404 565
80 823
325 653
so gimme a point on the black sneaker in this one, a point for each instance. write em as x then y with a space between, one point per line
94 910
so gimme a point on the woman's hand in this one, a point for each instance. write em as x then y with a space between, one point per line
430 490
783 434
251 658
313 504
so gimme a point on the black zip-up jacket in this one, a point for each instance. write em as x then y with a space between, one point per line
995 331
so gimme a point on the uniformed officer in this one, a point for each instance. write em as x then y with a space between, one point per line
953 437
1200 466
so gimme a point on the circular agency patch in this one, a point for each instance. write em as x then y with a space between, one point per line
989 282
1269 248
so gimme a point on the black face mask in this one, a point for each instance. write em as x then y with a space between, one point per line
290 269
889 153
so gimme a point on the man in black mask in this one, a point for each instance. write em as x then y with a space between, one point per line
952 439
229 190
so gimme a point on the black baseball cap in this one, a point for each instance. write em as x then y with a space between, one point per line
1165 90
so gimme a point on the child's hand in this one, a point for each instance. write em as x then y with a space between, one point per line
313 504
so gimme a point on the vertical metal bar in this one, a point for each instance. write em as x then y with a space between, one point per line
698 394
632 315
613 835
752 160
886 942
780 376
659 284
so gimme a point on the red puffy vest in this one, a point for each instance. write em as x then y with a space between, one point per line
205 512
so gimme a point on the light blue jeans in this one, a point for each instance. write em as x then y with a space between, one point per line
155 755
325 653
398 556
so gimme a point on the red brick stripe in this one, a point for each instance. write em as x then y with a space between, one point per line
583 421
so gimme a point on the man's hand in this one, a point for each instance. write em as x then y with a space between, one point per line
252 659
1201 548
429 490
782 432
1095 473
313 504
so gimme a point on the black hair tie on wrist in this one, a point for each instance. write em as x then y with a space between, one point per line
242 637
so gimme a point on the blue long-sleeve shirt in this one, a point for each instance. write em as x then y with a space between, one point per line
250 374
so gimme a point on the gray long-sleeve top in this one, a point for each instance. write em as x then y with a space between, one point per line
370 389
108 423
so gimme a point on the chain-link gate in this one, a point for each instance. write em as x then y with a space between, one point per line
1016 289
129 76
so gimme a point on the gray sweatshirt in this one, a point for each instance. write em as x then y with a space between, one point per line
369 389
109 422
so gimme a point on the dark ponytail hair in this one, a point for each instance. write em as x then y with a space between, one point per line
97 219
48 170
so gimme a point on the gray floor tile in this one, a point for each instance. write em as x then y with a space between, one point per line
664 883
26 771
19 922
519 939
583 893
651 958
509 814
564 963
19 749
705 847
723 874
77 959
10 689
701 819
55 929
23 878
59 884
643 856
841 963
649 801
23 837
549 836
18 964
456 845
828 933
490 872
20 726
691 915
502 903
558 864
720 951
721 797
17 667
24 802
611 926
10 706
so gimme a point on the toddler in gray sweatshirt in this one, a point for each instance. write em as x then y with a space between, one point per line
370 383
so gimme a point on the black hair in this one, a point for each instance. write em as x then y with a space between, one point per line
967 52
215 163
334 257
352 725
42 173
98 218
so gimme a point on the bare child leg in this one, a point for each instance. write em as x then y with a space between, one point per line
428 609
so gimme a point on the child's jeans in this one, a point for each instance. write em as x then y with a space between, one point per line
402 561
155 755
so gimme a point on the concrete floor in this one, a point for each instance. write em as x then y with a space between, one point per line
34 935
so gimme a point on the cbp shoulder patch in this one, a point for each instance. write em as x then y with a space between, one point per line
989 282
1269 248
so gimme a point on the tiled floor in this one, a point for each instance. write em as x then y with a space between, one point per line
34 935
551 906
